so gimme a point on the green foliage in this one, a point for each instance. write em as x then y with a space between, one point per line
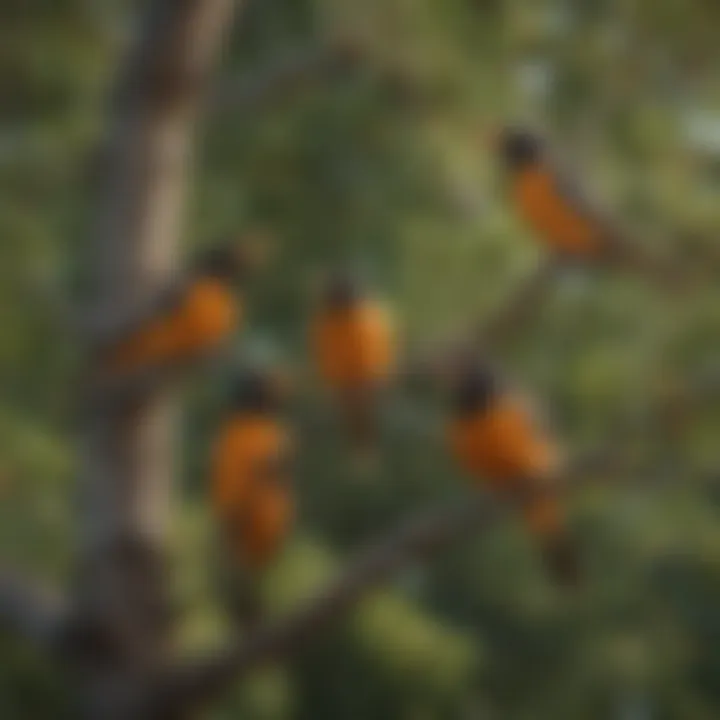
385 164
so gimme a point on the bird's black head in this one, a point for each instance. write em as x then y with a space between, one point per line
475 390
519 147
343 291
257 390
234 260
222 262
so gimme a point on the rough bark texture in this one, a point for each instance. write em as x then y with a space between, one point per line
119 630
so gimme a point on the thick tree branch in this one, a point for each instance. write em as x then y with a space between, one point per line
28 610
144 168
143 172
415 540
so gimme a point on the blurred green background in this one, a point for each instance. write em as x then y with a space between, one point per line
384 160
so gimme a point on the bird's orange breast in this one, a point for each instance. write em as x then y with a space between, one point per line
355 346
266 523
502 445
210 313
551 216
244 449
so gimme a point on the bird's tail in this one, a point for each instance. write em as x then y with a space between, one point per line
360 408
558 548
239 584
561 560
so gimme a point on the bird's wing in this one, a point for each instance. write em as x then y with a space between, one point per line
571 190
278 468
574 194
618 248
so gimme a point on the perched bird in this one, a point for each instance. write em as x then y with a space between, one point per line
558 213
252 460
353 346
251 489
193 318
494 436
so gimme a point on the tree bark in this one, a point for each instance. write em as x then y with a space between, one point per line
119 632
194 681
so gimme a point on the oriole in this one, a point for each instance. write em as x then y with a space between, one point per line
557 212
353 344
193 318
494 437
251 489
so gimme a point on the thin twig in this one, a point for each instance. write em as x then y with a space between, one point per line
518 308
487 333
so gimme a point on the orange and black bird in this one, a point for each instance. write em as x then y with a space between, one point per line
194 317
559 214
252 468
353 346
494 436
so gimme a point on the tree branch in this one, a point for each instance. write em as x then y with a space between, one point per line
195 680
486 333
417 539
518 307
28 609
144 171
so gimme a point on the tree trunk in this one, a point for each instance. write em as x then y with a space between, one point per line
120 633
